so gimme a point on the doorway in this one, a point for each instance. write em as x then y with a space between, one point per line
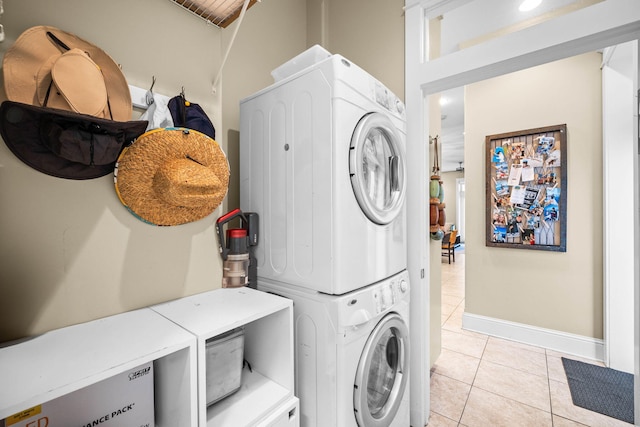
460 211
505 54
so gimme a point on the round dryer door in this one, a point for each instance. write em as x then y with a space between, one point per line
382 373
376 167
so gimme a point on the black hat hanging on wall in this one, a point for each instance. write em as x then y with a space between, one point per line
62 143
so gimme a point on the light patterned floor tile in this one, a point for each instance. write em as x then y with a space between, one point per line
563 422
518 345
451 300
514 384
516 355
448 396
454 323
555 353
563 406
458 366
556 369
457 292
443 319
463 343
485 409
437 420
448 309
529 389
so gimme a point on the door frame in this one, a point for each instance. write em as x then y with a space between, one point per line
619 86
595 27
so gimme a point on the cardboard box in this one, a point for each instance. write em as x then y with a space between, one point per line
125 399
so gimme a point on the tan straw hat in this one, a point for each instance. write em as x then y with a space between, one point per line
172 176
48 67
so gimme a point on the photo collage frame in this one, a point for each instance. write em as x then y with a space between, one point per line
526 187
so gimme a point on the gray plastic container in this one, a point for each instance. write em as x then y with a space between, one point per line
224 356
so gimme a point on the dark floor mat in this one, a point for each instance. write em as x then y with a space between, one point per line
599 389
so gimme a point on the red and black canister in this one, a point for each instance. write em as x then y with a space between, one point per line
239 265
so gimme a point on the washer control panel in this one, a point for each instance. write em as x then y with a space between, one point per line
390 292
363 305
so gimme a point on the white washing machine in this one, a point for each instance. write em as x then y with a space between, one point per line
351 354
322 161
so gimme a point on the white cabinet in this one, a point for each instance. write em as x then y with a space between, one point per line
45 367
266 395
172 336
287 415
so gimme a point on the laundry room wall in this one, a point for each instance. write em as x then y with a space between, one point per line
449 183
70 251
294 26
559 291
371 34
270 35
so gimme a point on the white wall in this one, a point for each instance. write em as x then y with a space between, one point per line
371 34
556 291
271 33
449 182
70 251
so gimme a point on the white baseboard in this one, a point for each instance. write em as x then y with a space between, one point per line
577 345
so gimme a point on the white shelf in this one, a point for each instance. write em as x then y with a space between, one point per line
173 336
257 396
56 363
268 346
211 313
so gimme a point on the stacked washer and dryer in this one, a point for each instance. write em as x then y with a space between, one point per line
322 163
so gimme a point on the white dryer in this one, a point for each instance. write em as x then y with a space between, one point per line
351 354
322 163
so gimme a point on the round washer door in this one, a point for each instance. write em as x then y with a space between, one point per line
382 373
377 168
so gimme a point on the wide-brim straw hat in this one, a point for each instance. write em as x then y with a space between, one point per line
172 176
49 67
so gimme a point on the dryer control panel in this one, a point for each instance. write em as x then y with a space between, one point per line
388 99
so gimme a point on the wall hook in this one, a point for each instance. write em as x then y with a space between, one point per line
149 95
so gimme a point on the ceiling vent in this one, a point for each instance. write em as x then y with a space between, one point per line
217 12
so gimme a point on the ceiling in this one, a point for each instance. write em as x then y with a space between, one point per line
490 18
452 129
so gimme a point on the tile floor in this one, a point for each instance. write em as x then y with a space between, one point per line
483 381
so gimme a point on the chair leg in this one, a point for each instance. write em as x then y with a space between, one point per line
453 251
449 255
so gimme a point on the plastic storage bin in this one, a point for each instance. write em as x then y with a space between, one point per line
224 357
309 57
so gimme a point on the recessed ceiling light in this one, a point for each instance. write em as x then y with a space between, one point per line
528 5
